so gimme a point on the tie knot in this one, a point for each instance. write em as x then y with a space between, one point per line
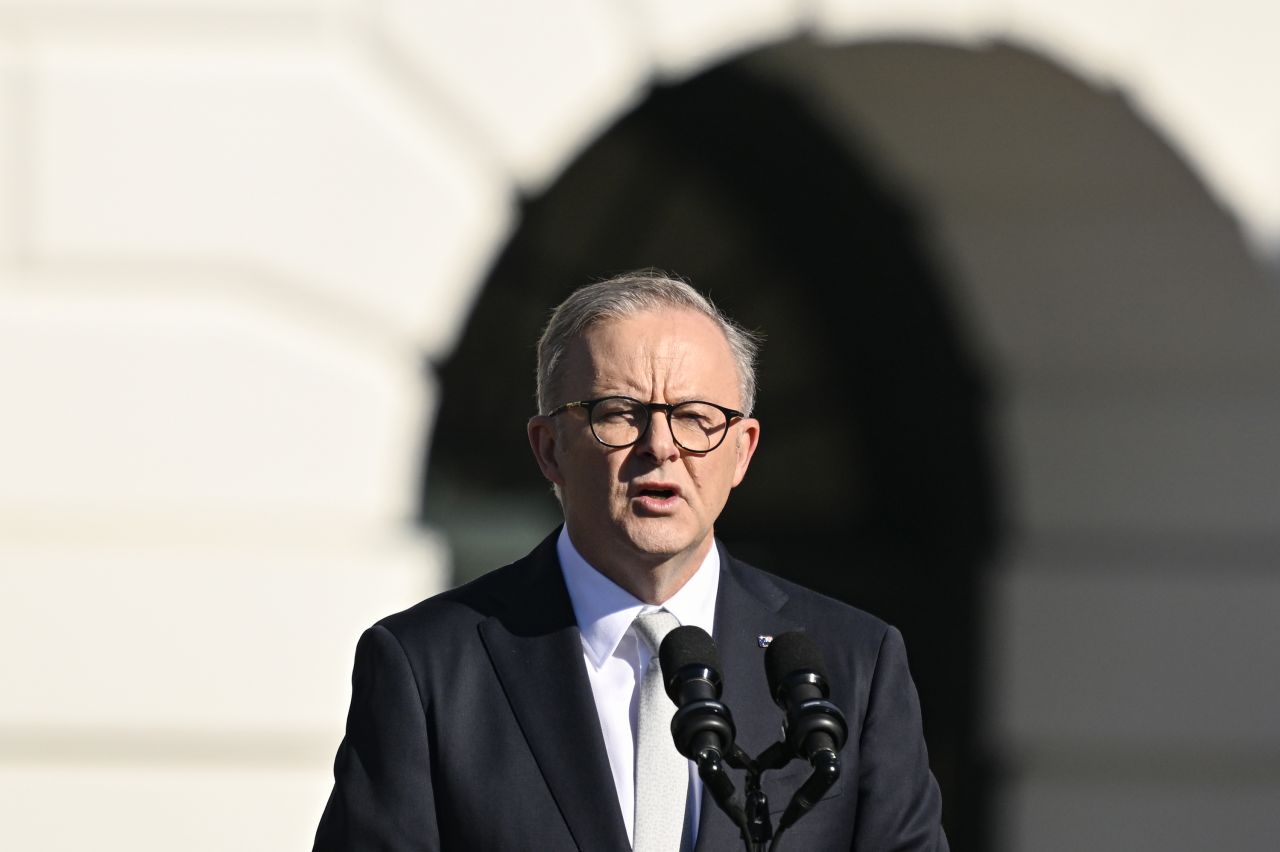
654 626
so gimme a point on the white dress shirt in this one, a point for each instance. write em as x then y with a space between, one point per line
616 658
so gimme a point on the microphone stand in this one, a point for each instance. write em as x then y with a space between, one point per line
826 769
753 818
758 827
717 782
754 824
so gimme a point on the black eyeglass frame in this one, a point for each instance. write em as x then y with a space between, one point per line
730 415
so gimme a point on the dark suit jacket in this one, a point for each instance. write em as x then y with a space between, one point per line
473 728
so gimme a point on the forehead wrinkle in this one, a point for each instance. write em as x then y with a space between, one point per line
651 364
646 373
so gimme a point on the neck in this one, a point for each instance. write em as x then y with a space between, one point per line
653 586
649 578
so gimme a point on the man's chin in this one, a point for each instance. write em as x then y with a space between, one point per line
660 542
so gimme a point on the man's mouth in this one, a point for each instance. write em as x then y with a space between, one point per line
660 493
656 495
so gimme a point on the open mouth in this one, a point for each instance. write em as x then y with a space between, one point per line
658 493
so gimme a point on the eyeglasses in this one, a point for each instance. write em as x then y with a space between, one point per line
620 421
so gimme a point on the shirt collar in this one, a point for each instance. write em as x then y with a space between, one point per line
604 610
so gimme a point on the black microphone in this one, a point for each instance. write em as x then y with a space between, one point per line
690 670
815 729
702 726
798 683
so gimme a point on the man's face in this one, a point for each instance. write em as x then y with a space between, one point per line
652 502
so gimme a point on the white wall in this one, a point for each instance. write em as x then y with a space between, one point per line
228 239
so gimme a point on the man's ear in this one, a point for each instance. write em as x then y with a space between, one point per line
745 447
544 442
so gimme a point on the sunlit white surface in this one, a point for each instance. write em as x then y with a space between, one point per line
221 631
167 403
535 79
285 162
195 809
687 36
10 70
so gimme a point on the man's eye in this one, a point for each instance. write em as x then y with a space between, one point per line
617 414
700 416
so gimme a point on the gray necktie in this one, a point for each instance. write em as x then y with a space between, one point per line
662 773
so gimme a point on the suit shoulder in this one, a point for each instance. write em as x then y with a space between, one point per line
809 607
852 641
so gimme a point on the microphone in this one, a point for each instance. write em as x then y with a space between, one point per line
702 726
798 683
690 671
815 729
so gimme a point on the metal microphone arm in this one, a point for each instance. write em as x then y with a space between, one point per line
711 771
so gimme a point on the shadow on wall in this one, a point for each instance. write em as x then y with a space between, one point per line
874 483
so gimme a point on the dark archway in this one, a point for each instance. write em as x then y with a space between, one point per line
875 482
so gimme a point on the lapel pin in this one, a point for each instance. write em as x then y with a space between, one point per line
764 641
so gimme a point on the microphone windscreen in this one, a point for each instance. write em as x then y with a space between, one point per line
688 645
791 652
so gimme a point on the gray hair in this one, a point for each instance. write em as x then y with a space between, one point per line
627 295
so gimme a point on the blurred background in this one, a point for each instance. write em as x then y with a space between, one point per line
270 277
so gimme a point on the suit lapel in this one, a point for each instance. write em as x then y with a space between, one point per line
747 607
536 650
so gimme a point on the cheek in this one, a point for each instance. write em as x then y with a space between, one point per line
714 480
597 471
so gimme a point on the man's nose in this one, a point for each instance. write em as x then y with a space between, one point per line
658 439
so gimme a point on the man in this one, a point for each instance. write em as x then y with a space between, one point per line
516 712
